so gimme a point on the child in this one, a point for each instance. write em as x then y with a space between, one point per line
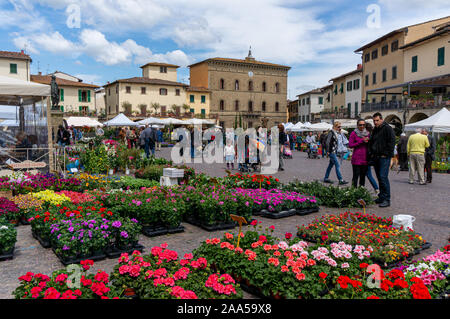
229 155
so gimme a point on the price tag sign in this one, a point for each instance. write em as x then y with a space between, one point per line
240 220
260 179
363 204
74 170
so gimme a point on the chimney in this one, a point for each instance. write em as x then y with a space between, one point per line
39 73
359 67
21 52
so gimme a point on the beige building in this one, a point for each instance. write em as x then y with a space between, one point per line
75 98
15 65
346 94
254 90
310 105
156 91
198 99
100 103
384 62
428 57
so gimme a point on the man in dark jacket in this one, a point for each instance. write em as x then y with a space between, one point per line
381 150
429 155
150 140
402 152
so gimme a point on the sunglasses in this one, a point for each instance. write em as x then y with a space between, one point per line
361 124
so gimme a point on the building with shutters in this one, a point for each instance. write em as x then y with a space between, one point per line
15 65
253 90
310 105
198 100
156 92
75 97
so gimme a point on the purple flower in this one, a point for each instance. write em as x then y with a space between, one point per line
117 224
124 234
65 247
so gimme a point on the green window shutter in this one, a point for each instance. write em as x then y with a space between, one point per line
349 108
203 99
79 96
192 98
320 100
62 108
342 88
80 108
192 110
441 56
335 89
414 64
89 95
356 109
203 112
13 68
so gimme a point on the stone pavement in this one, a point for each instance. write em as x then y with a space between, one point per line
429 204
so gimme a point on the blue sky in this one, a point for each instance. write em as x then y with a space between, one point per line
316 38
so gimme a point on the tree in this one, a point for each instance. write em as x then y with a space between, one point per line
143 109
185 107
127 107
156 106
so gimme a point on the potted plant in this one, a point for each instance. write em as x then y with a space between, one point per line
8 238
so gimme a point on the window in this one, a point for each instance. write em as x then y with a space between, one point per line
320 99
222 84
117 89
441 56
414 64
163 69
374 78
222 105
374 54
61 95
191 98
394 72
263 106
250 85
367 57
341 90
349 86
177 92
367 80
264 86
203 112
109 91
143 109
250 124
356 109
335 89
236 105
84 96
277 107
303 101
308 101
203 99
356 84
250 106
13 68
236 85
191 110
277 87
84 110
328 97
349 109
128 89
162 91
143 90
394 46
384 75
384 50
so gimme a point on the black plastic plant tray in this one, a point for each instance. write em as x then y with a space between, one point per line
7 255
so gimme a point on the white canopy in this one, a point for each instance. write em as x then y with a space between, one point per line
151 120
288 125
79 121
318 127
120 120
10 123
437 123
199 122
298 127
12 86
170 120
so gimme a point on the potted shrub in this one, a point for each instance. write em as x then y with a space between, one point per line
8 238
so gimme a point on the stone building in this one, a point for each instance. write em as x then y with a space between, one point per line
254 90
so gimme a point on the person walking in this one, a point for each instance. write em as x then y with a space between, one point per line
369 175
149 142
282 139
142 138
358 141
429 155
322 140
160 139
417 144
229 154
342 146
381 149
332 146
402 152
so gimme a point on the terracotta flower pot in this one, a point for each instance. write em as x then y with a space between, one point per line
129 292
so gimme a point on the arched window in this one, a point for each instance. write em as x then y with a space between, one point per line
250 106
263 106
264 87
277 107
222 105
222 84
250 85
236 85
236 105
277 87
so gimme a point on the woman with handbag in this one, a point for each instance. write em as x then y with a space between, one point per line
358 141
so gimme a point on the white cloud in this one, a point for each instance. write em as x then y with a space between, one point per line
55 42
90 78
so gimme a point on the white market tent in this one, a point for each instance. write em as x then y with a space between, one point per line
199 122
318 127
297 127
288 126
14 87
120 120
80 121
437 123
151 120
170 121
9 123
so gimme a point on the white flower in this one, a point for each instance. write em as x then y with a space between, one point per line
3 227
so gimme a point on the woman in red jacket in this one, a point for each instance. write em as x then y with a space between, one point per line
358 141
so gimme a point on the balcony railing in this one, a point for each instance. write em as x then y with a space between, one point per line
400 105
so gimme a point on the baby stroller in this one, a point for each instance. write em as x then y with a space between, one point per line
313 151
287 153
